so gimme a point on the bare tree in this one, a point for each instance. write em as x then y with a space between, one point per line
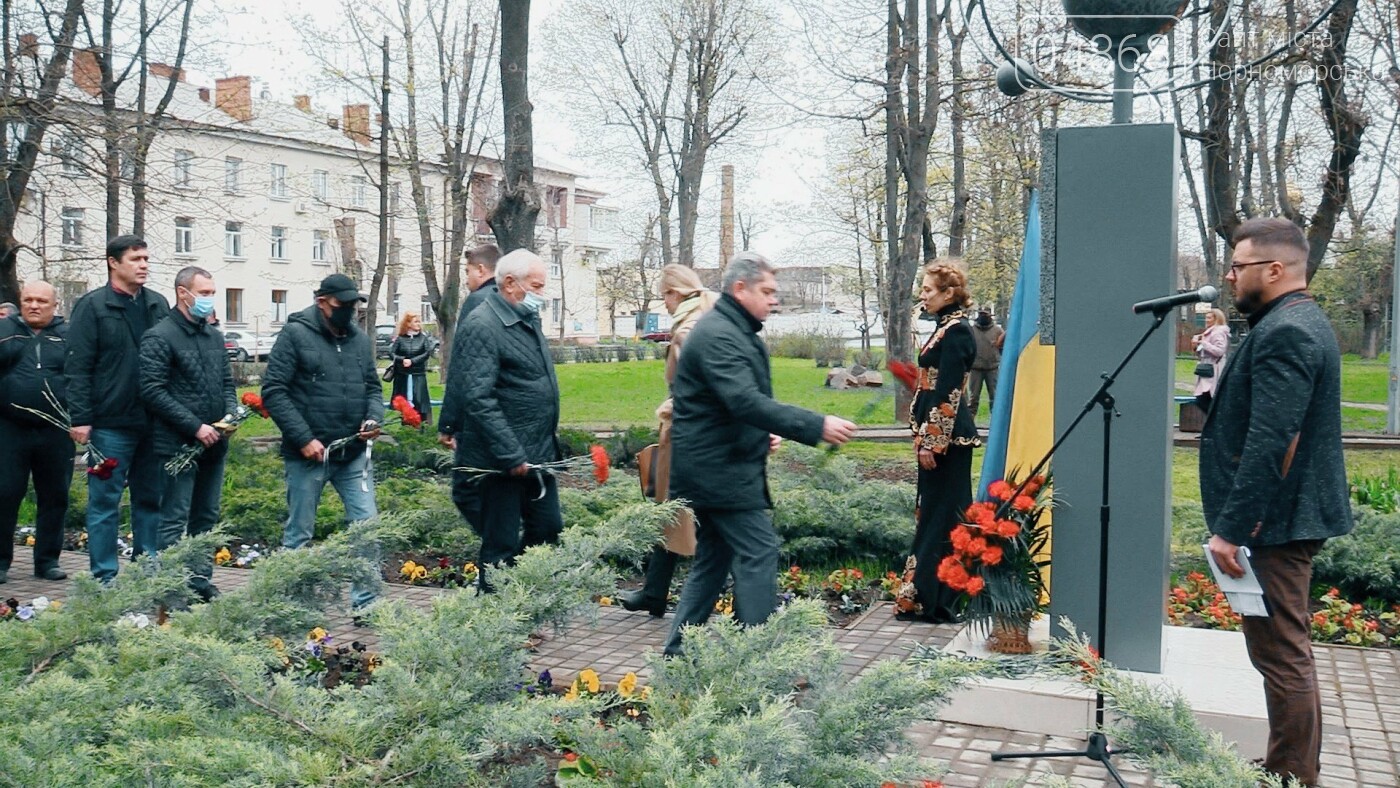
513 218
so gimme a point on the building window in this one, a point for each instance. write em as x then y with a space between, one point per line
279 306
556 263
72 226
425 309
393 199
359 191
278 247
69 291
277 186
184 167
233 305
233 174
14 137
554 310
321 185
233 239
184 235
319 239
70 155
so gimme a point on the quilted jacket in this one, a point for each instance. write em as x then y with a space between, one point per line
723 412
186 381
1271 448
502 367
104 359
319 385
452 414
417 349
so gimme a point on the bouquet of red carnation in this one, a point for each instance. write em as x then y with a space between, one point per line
98 464
904 372
408 415
596 462
185 457
999 554
255 402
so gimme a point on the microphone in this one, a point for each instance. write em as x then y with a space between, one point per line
1167 303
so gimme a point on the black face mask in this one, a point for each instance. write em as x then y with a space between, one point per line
985 321
342 315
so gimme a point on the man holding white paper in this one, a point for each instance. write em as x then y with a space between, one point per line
1273 477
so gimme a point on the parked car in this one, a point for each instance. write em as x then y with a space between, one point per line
657 336
383 339
241 346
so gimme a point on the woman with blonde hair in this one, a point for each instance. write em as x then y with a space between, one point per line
686 299
1210 346
944 436
410 352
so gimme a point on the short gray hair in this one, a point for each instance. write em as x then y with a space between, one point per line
187 274
747 267
516 264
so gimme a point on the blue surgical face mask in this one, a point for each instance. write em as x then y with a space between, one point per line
202 307
533 301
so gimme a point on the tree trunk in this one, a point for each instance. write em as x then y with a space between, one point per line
1371 330
898 340
381 260
1216 148
513 218
1346 122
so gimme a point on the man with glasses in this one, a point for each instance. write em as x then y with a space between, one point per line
1272 474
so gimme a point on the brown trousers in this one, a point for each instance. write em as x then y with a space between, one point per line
1281 649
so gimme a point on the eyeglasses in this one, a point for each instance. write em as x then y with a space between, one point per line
1235 268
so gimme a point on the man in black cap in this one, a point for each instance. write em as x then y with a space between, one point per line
321 386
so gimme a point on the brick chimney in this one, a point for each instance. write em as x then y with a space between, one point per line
356 123
333 122
234 95
204 95
29 46
302 102
87 74
165 71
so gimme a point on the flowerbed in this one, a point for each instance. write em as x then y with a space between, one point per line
1198 602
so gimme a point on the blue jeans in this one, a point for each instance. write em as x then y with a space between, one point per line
190 503
138 465
353 481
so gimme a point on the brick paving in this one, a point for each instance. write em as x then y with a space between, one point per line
1360 687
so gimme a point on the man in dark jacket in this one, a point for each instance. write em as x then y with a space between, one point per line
506 378
187 384
320 387
32 354
1273 477
481 281
725 424
104 400
989 337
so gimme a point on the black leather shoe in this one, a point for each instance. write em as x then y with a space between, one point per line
634 601
52 573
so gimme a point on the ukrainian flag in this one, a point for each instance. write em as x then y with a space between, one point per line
1023 416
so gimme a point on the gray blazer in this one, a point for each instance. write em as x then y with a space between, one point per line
1271 448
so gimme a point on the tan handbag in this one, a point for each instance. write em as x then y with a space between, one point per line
680 534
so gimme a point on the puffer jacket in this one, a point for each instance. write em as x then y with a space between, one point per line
503 368
186 381
724 411
104 359
321 386
452 414
29 360
417 349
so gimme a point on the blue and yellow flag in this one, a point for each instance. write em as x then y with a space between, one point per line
1023 416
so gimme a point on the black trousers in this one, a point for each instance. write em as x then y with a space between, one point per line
516 513
46 454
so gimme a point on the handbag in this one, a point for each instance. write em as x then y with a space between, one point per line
388 373
678 535
1205 369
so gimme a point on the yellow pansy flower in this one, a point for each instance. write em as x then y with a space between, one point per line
590 679
316 634
628 685
223 556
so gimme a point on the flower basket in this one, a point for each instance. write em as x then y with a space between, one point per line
999 561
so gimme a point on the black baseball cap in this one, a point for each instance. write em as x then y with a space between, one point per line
340 287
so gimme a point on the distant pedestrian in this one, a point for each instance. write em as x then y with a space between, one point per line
32 354
1210 346
409 354
8 309
989 337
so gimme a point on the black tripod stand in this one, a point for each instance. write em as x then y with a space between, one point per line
1097 748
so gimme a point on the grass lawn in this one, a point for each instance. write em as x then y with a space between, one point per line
1363 380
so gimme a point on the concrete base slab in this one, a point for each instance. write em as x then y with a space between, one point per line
1209 667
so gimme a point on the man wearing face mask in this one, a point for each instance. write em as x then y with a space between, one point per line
321 386
187 385
505 377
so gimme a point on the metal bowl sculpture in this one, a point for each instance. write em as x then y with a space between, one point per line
1115 26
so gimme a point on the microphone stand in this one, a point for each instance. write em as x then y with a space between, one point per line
1097 747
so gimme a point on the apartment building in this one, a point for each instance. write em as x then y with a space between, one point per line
271 197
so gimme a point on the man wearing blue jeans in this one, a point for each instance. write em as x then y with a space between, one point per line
320 387
188 387
105 405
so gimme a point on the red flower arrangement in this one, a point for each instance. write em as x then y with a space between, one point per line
98 464
596 462
998 557
253 401
904 372
408 415
186 456
601 464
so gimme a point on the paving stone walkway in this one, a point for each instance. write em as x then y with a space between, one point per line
1360 687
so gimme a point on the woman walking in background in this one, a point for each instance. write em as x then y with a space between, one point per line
410 352
944 436
686 299
1210 346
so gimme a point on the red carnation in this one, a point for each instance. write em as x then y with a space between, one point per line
1023 503
407 413
905 373
601 464
1007 529
1000 490
255 402
974 586
109 462
992 555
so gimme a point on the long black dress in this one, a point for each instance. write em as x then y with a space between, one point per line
941 421
412 381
